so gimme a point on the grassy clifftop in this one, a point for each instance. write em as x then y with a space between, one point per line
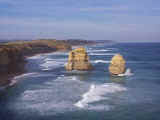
38 46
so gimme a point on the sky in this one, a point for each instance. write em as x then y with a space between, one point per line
118 20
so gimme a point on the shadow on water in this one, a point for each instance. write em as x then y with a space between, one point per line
117 79
81 75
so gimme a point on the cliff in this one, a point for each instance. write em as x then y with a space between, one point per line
9 55
78 60
12 55
14 52
33 47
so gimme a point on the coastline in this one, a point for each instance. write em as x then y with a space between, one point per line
13 55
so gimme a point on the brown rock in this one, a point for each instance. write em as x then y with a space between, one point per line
117 65
78 60
4 58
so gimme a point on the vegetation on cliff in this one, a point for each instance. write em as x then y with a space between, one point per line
38 46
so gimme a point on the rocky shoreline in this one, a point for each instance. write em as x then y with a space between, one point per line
13 54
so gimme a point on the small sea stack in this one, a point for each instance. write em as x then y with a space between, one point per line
117 65
78 60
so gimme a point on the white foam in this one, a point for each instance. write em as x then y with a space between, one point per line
99 54
36 57
49 54
44 55
47 65
48 59
52 63
25 75
101 50
35 94
59 95
97 92
127 73
13 82
54 96
101 61
67 78
57 53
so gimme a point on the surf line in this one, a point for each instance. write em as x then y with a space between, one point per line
97 92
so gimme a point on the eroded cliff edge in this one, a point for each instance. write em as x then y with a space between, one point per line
12 55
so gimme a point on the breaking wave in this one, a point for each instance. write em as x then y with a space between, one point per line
52 96
101 61
40 56
25 75
97 92
103 54
127 73
101 50
50 64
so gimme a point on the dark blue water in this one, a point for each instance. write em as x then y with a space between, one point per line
48 92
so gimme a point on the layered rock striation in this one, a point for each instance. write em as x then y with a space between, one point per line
78 60
117 65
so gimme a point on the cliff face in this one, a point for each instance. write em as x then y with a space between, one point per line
4 57
117 65
78 60
9 56
14 51
12 55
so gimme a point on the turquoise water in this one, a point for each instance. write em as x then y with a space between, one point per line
48 92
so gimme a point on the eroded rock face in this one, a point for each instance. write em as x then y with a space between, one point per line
78 60
9 57
4 57
117 65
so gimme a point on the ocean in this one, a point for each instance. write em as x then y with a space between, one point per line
48 92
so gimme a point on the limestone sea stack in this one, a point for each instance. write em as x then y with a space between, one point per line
117 65
78 60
